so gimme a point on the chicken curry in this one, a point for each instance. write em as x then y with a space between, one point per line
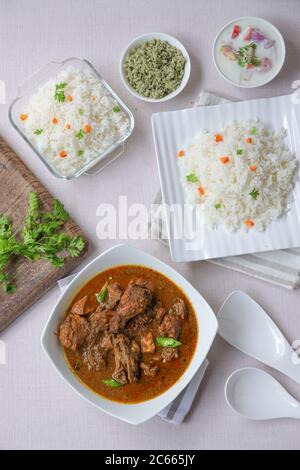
129 334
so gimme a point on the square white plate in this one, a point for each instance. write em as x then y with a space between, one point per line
207 326
172 130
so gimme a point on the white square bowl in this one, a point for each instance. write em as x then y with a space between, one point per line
207 328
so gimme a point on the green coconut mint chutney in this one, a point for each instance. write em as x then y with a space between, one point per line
155 68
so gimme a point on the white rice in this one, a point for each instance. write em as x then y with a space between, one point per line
92 104
227 200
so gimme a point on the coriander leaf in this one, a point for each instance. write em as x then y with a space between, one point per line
192 178
80 152
59 94
75 246
56 261
5 227
60 86
255 61
254 193
239 151
80 111
79 134
59 211
241 62
253 130
38 131
116 109
217 205
102 294
167 342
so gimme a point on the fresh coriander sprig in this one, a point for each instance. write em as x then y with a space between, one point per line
39 238
59 94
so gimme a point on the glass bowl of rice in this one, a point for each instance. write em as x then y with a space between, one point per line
72 119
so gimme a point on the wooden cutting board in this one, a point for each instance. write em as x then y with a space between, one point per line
33 279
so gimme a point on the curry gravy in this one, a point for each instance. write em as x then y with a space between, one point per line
147 387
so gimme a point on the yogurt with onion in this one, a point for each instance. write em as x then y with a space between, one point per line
249 52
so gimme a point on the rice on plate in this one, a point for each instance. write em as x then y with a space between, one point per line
72 119
241 177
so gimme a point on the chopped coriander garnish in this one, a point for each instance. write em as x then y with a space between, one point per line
79 134
192 178
254 193
239 151
80 111
116 109
80 152
217 205
253 130
59 94
255 61
38 131
246 55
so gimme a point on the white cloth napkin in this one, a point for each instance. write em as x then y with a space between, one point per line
179 408
281 267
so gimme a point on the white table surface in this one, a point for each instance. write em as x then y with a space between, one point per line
37 409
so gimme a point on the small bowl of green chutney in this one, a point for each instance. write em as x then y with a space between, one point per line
155 67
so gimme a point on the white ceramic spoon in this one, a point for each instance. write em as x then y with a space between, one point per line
245 325
254 394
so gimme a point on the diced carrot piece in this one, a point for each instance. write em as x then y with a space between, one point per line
23 117
218 138
249 140
249 223
55 121
68 125
201 191
69 98
181 153
87 128
93 97
63 154
224 160
253 167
